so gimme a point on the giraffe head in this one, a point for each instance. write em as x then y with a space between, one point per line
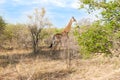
73 19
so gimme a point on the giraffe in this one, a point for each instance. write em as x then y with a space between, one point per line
58 37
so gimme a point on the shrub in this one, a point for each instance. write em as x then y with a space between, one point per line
2 24
94 40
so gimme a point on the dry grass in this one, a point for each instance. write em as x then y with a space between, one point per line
20 65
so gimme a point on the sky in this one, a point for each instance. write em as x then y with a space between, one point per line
58 11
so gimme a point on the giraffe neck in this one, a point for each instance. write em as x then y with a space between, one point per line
68 27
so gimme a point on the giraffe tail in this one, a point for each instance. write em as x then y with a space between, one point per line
51 45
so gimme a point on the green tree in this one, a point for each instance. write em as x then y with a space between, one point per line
2 24
94 40
110 11
99 37
2 27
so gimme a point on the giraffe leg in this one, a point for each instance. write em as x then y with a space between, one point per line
60 45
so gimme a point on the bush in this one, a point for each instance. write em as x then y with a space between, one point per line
2 24
94 40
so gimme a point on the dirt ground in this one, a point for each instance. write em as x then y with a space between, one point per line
23 65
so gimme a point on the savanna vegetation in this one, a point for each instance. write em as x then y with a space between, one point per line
92 51
101 36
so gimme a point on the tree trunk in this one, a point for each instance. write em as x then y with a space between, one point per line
35 43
